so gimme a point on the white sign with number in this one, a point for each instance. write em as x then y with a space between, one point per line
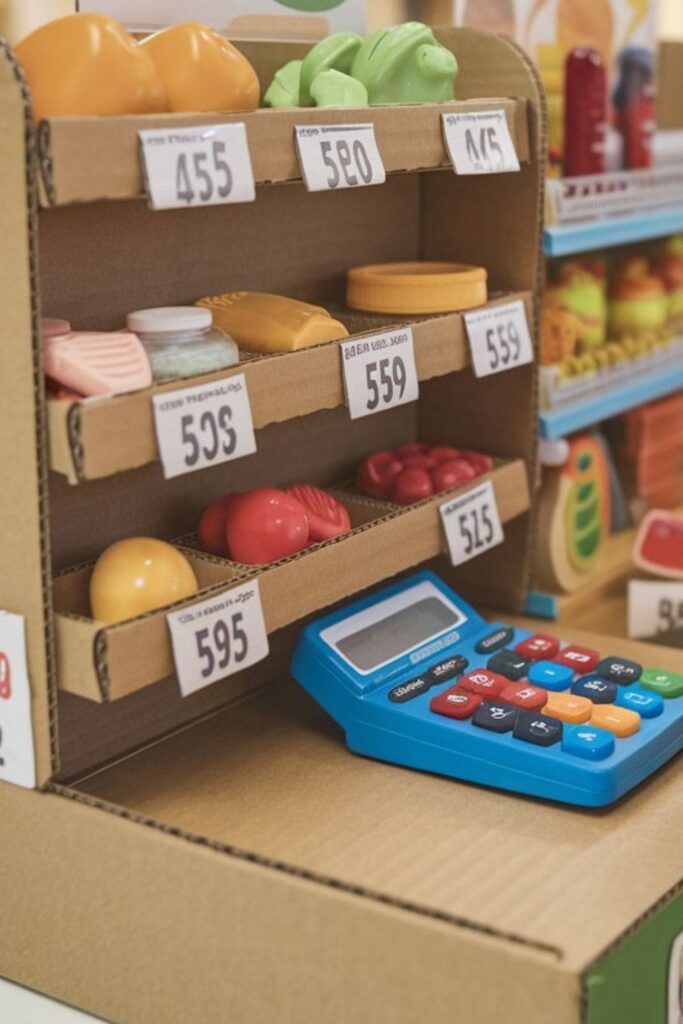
379 372
479 142
499 338
205 165
222 635
471 523
17 756
204 425
335 156
654 606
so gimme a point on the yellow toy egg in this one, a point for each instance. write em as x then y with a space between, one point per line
135 576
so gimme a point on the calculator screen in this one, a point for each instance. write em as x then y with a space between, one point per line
386 639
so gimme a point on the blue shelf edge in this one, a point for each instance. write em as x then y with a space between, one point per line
560 422
541 605
565 239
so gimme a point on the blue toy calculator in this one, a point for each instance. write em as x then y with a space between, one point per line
415 676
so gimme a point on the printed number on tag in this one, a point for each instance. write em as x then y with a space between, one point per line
654 607
339 156
202 166
379 372
471 523
499 338
479 143
220 636
204 425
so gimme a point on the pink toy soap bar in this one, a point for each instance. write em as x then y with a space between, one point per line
93 363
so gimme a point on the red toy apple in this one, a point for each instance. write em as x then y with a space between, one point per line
452 474
411 485
211 532
327 517
377 472
264 525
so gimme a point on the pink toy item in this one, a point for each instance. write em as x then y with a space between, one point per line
94 363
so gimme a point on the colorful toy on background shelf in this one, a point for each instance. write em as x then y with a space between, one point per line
90 363
634 103
181 341
137 575
638 301
669 269
585 112
420 287
658 547
648 445
560 330
201 70
573 516
416 471
581 287
260 322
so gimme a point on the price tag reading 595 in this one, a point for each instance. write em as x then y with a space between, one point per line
379 372
499 338
338 156
471 523
204 425
218 637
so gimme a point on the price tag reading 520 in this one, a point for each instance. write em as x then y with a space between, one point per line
471 523
379 372
499 338
203 166
338 156
204 425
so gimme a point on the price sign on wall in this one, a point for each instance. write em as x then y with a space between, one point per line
499 338
471 523
338 156
17 757
479 142
654 607
200 166
379 372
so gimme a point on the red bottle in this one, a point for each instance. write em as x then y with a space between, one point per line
634 101
585 112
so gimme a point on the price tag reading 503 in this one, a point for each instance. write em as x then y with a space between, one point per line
218 637
379 372
204 425
499 338
471 523
338 156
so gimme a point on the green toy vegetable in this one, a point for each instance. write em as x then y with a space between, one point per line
335 89
334 53
283 91
405 64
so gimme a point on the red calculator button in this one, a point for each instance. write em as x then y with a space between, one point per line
581 659
520 695
455 703
483 683
539 647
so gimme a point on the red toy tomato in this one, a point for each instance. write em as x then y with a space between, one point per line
480 463
327 517
411 485
412 448
415 471
444 453
264 525
419 461
212 526
377 472
451 474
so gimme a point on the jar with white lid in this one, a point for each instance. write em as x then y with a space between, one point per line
181 341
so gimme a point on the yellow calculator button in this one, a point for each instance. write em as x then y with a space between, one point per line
619 721
568 708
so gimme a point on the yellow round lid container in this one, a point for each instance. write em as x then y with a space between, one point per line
421 287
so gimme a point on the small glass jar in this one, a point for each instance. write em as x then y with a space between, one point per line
181 341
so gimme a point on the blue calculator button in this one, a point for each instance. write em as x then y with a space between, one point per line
509 664
493 716
535 728
648 705
550 675
494 641
597 689
448 669
619 670
587 742
412 688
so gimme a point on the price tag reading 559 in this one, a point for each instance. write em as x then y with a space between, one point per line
220 636
499 338
471 523
379 372
338 156
203 166
204 425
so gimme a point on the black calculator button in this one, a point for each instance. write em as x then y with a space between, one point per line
495 717
619 670
413 688
539 729
509 664
494 641
448 669
597 689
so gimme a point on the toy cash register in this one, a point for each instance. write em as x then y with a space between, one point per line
415 676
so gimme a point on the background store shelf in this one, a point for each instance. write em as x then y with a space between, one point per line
584 236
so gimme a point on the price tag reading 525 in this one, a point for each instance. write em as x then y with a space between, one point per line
379 372
204 425
338 156
499 338
471 523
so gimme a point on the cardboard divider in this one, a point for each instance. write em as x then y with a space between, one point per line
106 662
98 438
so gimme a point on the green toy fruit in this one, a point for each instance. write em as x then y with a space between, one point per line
334 53
405 64
335 89
283 91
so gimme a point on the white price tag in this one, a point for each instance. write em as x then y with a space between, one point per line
221 636
17 757
499 338
338 156
379 372
204 425
471 523
654 606
479 143
200 166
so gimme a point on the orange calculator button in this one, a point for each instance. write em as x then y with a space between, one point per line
619 721
569 708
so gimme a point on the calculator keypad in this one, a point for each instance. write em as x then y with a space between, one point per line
509 664
494 716
483 683
495 641
539 647
597 689
619 670
455 703
550 676
666 684
539 729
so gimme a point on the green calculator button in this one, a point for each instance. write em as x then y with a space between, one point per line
666 684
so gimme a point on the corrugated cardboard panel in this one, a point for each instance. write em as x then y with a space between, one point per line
670 85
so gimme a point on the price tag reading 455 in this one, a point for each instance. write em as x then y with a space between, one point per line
338 156
203 166
471 523
218 637
204 425
499 338
479 143
379 372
